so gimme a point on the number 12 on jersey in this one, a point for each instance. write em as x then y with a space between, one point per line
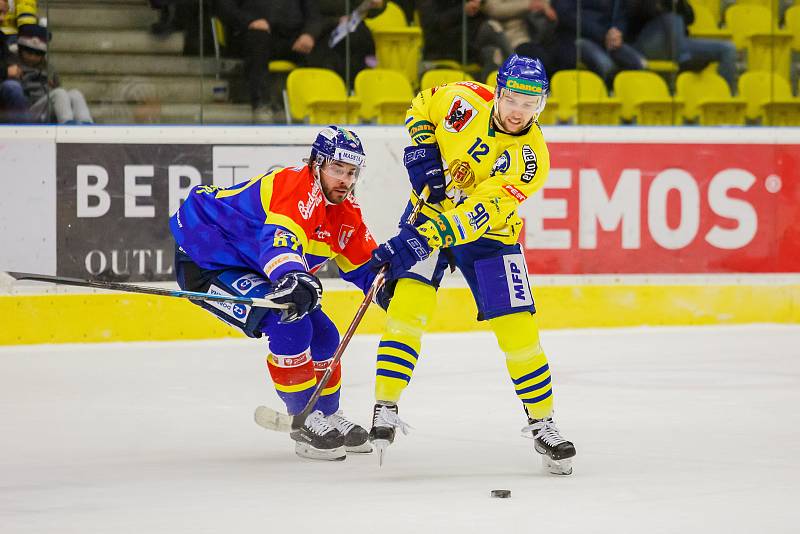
478 149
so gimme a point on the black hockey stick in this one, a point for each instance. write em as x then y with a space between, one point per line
130 288
275 420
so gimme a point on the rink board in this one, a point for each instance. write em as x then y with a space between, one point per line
637 206
70 317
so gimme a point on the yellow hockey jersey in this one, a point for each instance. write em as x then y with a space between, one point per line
488 173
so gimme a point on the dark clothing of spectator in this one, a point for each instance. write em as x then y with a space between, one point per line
443 29
287 19
184 16
597 19
530 32
661 33
13 103
361 44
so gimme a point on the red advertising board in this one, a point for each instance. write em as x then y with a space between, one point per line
658 207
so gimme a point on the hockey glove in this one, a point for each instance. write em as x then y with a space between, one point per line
424 166
301 290
401 252
383 296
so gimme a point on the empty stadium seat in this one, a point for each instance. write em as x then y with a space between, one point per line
391 17
768 48
318 96
712 6
435 77
385 95
646 99
707 98
705 25
769 98
397 46
581 97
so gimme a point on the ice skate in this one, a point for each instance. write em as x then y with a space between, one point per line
384 422
556 451
316 439
355 436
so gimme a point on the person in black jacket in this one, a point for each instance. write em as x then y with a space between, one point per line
13 103
345 35
443 28
600 38
659 32
265 30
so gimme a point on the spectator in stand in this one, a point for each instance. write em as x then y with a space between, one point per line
13 104
47 100
529 27
600 37
337 24
661 33
19 13
442 26
265 30
184 16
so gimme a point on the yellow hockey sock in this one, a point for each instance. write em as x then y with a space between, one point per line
518 337
409 313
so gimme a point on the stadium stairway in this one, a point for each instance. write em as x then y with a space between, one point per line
105 49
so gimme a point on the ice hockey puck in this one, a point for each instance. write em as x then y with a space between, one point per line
501 494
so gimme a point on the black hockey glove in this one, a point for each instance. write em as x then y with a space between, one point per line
301 290
424 166
383 296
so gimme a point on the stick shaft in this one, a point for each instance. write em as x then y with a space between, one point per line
130 288
362 309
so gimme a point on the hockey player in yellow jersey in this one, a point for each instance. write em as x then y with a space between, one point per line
479 152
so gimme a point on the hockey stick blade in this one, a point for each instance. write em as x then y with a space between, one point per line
131 288
271 420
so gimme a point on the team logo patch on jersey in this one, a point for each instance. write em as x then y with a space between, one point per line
461 173
514 192
247 282
460 115
314 200
529 158
501 164
345 233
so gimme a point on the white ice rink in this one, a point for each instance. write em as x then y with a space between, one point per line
690 430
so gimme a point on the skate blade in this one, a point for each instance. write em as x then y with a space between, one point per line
381 445
304 450
557 467
364 448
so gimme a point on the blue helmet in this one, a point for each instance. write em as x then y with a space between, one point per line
337 144
522 74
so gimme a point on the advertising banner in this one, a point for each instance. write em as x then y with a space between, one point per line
666 208
113 206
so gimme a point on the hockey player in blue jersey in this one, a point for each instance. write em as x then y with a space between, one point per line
269 235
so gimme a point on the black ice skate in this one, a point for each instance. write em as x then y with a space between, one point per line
384 422
355 436
318 440
556 451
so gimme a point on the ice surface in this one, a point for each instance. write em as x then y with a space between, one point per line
677 430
